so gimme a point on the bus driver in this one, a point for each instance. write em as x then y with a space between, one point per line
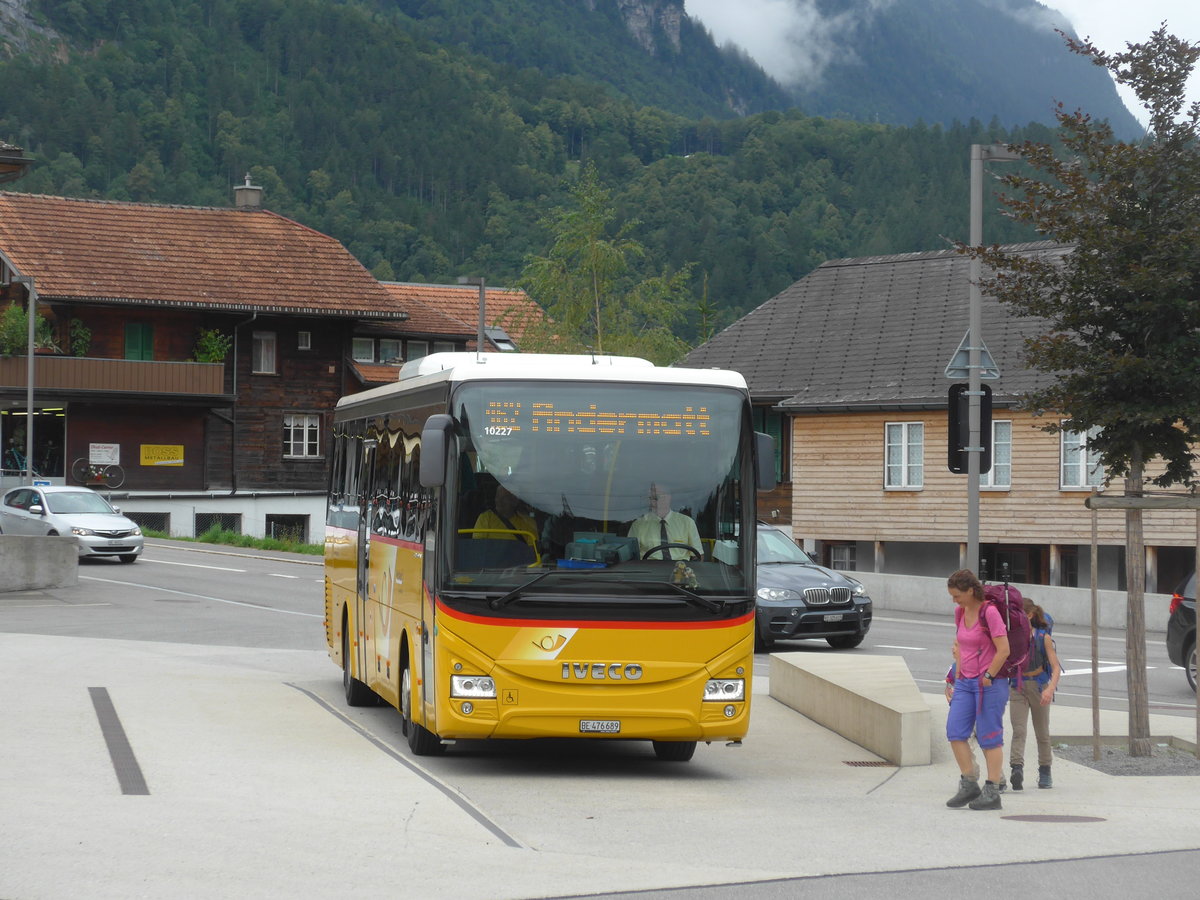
663 525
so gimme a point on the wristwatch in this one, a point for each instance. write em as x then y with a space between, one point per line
989 676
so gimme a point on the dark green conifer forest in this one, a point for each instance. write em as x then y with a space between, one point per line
377 123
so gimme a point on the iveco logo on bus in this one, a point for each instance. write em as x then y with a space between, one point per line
601 671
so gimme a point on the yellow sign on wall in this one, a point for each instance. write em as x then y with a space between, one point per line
162 454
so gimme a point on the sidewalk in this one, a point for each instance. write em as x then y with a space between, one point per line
257 791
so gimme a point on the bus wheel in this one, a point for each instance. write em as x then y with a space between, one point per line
674 751
421 741
357 693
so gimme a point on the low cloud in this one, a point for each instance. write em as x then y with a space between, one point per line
790 39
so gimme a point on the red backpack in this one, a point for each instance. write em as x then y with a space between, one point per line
1011 606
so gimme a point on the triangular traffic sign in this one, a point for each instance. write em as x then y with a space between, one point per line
960 363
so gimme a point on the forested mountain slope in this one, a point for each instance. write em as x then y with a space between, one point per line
430 162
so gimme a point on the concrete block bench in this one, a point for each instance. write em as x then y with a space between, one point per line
870 700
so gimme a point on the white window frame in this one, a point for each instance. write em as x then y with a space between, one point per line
417 350
301 436
905 471
1074 473
362 349
999 478
263 355
303 340
390 348
443 346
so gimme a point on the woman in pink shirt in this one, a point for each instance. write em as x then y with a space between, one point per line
979 696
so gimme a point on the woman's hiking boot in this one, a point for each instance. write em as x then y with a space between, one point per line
1017 779
989 797
968 790
1044 779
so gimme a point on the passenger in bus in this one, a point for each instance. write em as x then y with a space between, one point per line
663 525
506 514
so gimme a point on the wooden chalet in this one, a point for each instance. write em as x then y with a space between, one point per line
847 368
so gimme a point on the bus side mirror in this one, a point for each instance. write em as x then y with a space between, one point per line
764 461
435 438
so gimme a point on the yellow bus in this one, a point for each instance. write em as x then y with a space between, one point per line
480 571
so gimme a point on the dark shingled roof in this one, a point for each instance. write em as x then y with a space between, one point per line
871 333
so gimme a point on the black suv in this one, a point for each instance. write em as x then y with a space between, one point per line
799 599
1181 628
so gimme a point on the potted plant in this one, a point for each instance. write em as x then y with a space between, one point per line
14 333
80 337
211 346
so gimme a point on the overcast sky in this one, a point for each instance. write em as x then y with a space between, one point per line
766 30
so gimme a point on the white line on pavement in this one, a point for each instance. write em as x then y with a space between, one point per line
164 562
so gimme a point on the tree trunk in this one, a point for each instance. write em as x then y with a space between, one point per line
1135 619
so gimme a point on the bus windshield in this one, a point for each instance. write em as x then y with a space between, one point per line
621 489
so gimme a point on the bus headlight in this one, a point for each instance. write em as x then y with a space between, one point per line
479 687
722 690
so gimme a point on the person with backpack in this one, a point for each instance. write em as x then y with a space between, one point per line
1031 699
980 692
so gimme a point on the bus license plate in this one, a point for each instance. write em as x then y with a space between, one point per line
599 726
836 617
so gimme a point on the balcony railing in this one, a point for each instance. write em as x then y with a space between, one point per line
120 376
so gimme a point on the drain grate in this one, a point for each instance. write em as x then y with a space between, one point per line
1054 818
864 763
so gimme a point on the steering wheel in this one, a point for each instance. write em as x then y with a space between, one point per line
696 554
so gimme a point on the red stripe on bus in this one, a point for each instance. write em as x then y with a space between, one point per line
591 623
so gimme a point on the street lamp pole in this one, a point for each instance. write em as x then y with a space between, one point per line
31 290
479 280
980 153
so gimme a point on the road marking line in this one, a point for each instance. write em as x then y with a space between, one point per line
898 647
166 562
129 773
277 575
275 609
1088 671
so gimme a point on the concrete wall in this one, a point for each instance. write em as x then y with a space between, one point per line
28 563
1068 606
253 507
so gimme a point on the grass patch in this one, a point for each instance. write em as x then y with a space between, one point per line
218 535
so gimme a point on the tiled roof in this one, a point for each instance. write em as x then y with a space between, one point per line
872 332
446 309
206 257
375 373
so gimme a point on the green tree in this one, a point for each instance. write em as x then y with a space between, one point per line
1122 310
589 286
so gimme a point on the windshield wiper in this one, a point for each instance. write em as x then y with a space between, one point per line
712 606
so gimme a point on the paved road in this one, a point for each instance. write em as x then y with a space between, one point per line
205 674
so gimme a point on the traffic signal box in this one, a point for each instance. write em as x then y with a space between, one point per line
960 429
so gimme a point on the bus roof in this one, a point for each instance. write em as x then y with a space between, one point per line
458 367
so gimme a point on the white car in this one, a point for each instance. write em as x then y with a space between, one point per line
77 512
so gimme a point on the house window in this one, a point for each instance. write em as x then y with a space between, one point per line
301 435
443 346
843 556
262 360
768 421
1000 477
139 341
363 349
389 350
417 349
904 461
303 340
1080 463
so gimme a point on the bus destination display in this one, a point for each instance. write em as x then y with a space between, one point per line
503 418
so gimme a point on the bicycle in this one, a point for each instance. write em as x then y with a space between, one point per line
109 475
